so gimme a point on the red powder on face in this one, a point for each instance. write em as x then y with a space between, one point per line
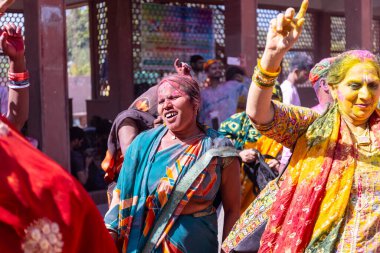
171 86
340 96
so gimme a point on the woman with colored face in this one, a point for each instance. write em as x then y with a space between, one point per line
355 84
329 196
156 166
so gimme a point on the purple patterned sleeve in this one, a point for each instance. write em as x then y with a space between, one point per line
289 123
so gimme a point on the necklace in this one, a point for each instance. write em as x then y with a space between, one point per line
174 137
363 139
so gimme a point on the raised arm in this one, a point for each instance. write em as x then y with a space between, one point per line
4 4
12 44
282 34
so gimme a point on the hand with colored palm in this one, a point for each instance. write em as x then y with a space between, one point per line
12 44
283 32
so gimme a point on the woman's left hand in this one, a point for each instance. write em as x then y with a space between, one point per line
12 42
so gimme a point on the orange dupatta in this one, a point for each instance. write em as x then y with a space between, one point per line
313 197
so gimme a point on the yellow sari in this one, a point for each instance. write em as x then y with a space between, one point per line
311 204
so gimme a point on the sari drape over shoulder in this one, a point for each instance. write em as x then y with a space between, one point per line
147 180
310 210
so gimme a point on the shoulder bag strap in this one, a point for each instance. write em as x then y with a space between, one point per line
261 158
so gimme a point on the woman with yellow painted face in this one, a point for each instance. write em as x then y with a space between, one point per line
329 199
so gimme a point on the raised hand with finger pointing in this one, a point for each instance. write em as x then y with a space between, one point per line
283 32
286 28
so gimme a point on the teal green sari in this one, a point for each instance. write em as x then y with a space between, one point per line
145 184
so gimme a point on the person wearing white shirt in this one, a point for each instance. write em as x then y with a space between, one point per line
300 67
290 93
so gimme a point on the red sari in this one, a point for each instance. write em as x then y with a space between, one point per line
41 205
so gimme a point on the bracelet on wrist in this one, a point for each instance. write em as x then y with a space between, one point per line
267 73
262 86
262 80
18 84
18 77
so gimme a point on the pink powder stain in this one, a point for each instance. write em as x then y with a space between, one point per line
340 96
172 87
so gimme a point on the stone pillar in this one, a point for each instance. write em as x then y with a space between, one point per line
358 24
241 31
120 53
45 36
322 35
120 60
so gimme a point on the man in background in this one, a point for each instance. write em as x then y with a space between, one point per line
220 99
300 66
317 77
196 63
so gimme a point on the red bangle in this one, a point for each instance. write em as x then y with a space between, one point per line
18 77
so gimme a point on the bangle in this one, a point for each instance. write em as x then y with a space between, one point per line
262 80
18 84
267 73
18 76
262 86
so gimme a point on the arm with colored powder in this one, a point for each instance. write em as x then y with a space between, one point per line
4 4
283 32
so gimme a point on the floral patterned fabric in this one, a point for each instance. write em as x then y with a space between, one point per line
311 205
253 218
289 123
358 233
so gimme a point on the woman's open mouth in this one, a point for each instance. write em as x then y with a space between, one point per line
170 115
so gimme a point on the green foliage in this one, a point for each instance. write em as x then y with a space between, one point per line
78 41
